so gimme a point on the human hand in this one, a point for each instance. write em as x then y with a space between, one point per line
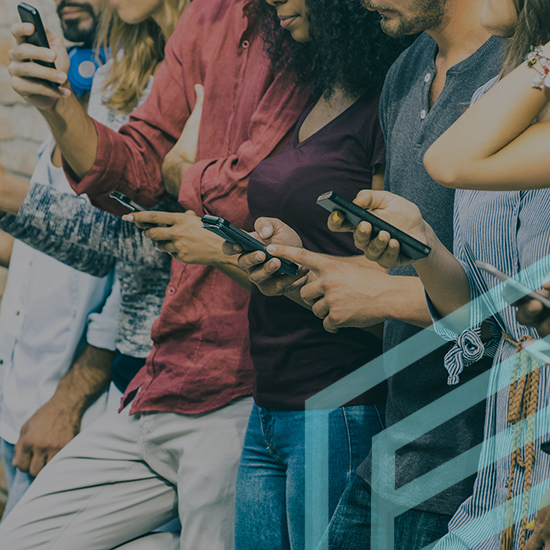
184 153
395 210
180 234
344 292
268 230
533 313
46 432
541 531
30 80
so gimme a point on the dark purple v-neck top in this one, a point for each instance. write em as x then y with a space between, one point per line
293 356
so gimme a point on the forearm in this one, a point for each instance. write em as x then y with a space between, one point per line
444 279
13 191
86 380
228 266
74 133
482 149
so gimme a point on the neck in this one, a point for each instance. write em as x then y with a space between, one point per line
460 33
162 18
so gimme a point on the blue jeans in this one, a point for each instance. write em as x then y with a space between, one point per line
270 491
350 527
18 481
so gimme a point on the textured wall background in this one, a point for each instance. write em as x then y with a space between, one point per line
21 126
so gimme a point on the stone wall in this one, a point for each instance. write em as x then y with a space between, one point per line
21 126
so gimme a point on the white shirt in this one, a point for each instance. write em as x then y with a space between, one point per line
48 314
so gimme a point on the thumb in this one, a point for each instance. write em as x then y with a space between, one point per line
301 256
199 94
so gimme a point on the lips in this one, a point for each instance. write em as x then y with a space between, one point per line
287 20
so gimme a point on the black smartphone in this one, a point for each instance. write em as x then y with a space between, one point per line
29 14
127 202
233 234
354 214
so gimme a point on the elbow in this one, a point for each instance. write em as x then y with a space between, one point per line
444 170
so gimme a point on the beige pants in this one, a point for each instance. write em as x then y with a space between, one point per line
127 475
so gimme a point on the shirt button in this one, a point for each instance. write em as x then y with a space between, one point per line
171 290
245 44
423 114
1 361
428 77
17 313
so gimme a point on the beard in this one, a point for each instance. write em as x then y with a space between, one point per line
428 15
73 29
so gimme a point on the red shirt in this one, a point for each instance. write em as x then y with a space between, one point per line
200 359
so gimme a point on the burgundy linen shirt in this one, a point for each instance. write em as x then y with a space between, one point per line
200 359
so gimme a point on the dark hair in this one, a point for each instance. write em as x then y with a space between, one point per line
348 47
532 29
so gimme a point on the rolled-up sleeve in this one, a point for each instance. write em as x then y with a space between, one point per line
102 326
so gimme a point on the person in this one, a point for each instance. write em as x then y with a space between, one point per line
57 326
424 93
508 230
340 51
193 392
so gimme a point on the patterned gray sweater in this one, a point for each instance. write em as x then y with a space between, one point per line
71 230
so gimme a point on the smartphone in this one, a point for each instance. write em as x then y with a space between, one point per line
127 202
38 38
354 214
233 234
513 283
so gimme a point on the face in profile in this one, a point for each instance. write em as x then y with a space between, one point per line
499 17
293 17
136 11
405 17
79 19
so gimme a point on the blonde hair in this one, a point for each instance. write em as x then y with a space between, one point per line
142 46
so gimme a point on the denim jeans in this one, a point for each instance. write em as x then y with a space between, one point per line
18 481
270 491
350 527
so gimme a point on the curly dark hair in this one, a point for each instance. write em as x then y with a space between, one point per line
348 49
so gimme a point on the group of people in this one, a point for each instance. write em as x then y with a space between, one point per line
187 363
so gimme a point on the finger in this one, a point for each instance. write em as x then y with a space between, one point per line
22 457
168 247
265 228
300 256
311 293
535 542
329 325
320 309
260 274
31 86
378 246
390 257
21 30
157 233
152 218
39 459
363 236
37 72
529 311
371 200
25 52
251 260
230 249
337 223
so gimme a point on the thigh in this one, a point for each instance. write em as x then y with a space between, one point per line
153 541
260 498
18 481
96 493
350 432
204 450
415 530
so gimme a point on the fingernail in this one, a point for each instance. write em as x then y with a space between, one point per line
271 248
61 77
128 217
335 217
531 525
258 257
362 228
237 248
50 55
265 232
29 28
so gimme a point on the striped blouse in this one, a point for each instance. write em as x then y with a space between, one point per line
511 231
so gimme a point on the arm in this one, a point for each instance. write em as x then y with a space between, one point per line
183 237
488 146
6 246
58 421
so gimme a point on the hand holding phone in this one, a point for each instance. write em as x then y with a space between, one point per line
233 234
354 214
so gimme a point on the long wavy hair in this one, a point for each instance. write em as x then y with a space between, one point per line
532 29
348 48
142 45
